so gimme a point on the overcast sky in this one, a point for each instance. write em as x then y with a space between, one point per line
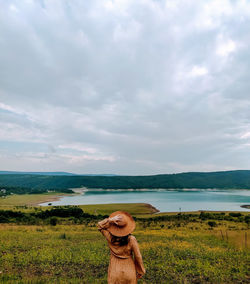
124 87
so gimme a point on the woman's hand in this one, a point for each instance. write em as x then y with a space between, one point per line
116 219
138 275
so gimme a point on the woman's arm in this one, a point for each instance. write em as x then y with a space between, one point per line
104 225
137 258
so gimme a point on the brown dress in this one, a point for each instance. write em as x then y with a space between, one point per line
125 261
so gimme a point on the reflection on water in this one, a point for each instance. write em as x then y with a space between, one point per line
166 200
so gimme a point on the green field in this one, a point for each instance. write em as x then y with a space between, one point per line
28 199
106 209
24 203
174 251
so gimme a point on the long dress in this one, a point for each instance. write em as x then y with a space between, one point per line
125 261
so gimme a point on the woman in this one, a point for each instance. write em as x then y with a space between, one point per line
125 264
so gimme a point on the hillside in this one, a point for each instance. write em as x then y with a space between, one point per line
64 246
226 179
50 173
36 173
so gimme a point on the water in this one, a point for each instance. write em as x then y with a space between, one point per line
165 200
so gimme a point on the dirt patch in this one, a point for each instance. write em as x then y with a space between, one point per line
152 208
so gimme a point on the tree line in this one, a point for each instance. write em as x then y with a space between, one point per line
8 190
48 216
221 180
74 214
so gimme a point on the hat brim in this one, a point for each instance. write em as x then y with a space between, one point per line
124 230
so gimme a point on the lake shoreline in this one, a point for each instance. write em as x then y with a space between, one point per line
50 199
154 210
53 198
82 190
161 200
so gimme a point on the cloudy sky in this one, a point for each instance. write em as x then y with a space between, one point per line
124 86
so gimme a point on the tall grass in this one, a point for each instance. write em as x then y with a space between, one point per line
192 253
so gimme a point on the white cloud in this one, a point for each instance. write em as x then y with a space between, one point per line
78 147
6 107
10 108
13 8
79 159
245 135
134 87
198 71
128 32
16 132
226 47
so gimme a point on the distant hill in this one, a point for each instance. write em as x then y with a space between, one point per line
221 180
49 173
36 173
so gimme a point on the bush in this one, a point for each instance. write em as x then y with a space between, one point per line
212 224
3 219
63 236
247 219
53 221
64 212
234 214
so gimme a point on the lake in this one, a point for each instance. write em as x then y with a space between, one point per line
165 200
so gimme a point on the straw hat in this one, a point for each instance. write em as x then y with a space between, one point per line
124 227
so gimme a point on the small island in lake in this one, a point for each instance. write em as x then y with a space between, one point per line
247 206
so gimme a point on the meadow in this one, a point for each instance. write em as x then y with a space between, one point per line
29 199
175 248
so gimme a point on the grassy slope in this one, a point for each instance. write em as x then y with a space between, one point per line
26 202
28 199
173 251
17 202
106 209
79 254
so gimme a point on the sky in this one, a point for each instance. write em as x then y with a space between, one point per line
124 87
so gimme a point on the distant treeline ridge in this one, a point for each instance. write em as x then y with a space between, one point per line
221 180
8 190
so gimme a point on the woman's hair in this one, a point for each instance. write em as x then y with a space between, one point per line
122 241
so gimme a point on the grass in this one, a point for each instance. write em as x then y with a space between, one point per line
28 199
173 252
28 202
136 209
107 209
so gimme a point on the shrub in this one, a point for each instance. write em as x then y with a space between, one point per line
234 214
247 219
212 224
53 221
63 236
3 219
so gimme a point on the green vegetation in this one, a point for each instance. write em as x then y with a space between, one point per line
26 203
135 209
28 199
8 190
47 216
141 211
227 179
67 214
176 248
